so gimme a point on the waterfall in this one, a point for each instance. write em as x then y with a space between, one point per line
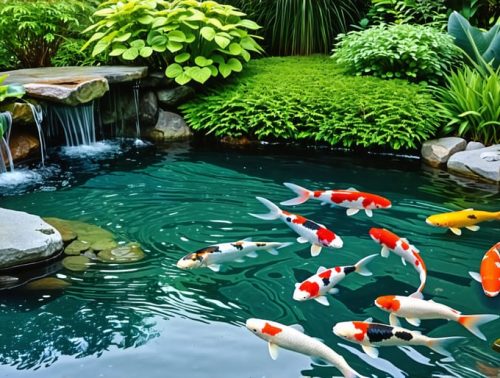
38 117
5 128
136 103
78 123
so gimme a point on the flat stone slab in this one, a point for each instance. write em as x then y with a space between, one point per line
483 163
26 238
437 151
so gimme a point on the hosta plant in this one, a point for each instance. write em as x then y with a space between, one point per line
194 40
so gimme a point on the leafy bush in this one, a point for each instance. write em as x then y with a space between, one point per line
301 27
471 103
196 40
70 54
411 52
478 45
310 99
32 30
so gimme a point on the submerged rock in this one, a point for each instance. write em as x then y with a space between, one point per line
64 228
47 283
483 163
76 263
26 238
76 247
127 253
437 151
101 244
170 126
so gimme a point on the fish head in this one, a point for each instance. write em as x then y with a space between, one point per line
304 291
376 234
336 242
265 329
383 203
191 261
388 303
345 330
436 220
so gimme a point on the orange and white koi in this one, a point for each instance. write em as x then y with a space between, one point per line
455 220
310 232
489 273
293 338
317 286
372 335
213 256
401 247
414 309
350 198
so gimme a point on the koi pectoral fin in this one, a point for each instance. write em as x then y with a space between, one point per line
413 321
351 212
214 267
393 320
302 240
322 300
384 252
456 231
476 276
472 228
371 351
369 213
315 250
273 350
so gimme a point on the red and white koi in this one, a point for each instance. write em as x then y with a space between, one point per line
317 286
350 198
310 232
213 256
293 338
372 335
414 309
401 247
489 273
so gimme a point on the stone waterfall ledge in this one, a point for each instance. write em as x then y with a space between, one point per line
72 85
26 238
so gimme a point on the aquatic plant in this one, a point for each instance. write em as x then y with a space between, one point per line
193 40
412 52
471 103
301 27
270 100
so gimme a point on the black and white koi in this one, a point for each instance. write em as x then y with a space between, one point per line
310 232
372 335
317 286
213 256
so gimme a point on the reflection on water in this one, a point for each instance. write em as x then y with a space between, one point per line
176 201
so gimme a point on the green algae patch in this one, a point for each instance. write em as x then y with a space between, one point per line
127 253
76 263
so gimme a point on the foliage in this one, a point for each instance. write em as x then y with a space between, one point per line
197 40
70 54
10 90
424 12
478 45
481 13
411 52
32 30
309 98
471 103
301 27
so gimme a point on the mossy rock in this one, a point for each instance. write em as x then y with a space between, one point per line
100 245
76 263
496 345
47 283
127 253
64 227
76 247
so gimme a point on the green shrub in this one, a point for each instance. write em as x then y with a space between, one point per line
32 30
471 103
301 27
197 40
310 99
412 52
70 54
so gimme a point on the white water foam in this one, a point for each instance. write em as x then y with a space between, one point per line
98 149
19 177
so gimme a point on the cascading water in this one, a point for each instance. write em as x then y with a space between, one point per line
136 103
38 117
78 123
5 128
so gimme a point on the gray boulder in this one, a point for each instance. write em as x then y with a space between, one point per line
26 238
170 126
437 151
148 105
483 163
174 96
474 146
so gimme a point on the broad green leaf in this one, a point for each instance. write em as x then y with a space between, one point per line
222 42
174 46
218 58
146 19
208 33
190 37
235 49
225 70
214 70
173 70
100 47
202 61
249 24
234 64
117 49
146 52
181 58
201 75
130 54
176 36
245 55
138 44
122 38
183 79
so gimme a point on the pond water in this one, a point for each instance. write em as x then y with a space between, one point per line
151 319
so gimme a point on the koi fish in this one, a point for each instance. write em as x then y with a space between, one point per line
456 220
213 256
293 338
350 198
310 232
489 273
372 335
402 248
414 309
316 287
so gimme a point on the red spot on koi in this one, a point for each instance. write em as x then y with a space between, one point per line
271 330
325 235
299 219
326 274
311 287
318 193
363 327
338 269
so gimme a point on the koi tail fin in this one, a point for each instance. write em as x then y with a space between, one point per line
440 344
274 212
302 194
473 322
361 265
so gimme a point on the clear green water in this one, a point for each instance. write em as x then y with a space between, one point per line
150 319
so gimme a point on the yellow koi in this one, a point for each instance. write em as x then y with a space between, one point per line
456 220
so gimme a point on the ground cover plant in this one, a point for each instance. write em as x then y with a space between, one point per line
192 40
310 99
412 52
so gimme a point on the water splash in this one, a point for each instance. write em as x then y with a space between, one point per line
37 112
78 123
102 149
5 126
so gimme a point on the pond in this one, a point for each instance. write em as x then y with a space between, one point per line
151 319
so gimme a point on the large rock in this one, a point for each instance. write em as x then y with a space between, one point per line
474 146
174 96
21 112
483 163
23 145
170 126
26 238
148 105
437 151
